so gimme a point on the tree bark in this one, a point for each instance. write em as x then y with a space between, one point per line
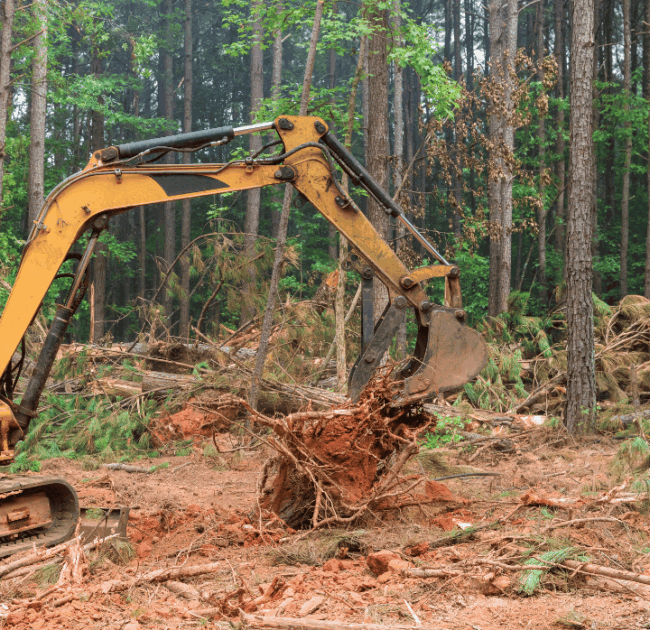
36 176
581 388
98 294
377 124
541 136
560 145
625 195
169 247
398 163
8 12
267 322
457 170
646 94
503 43
276 92
186 206
253 196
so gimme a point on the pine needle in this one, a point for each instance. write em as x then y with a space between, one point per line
530 581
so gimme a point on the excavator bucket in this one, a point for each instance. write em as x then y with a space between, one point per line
447 355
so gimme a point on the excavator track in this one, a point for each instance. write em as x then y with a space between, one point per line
41 511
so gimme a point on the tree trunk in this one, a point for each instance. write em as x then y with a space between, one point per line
377 124
267 322
331 235
36 176
98 294
276 92
8 12
560 145
398 169
503 43
625 196
597 279
541 136
457 170
186 206
646 94
581 388
469 44
253 196
169 248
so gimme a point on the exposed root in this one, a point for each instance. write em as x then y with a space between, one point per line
335 466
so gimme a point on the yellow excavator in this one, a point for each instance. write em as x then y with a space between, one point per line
448 354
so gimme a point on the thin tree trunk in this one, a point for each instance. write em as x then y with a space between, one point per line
253 196
142 258
541 135
503 43
398 170
36 176
98 294
267 322
169 246
186 206
8 12
378 145
276 92
581 388
646 94
625 196
457 170
560 145
469 45
331 240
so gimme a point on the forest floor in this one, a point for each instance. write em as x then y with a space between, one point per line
194 510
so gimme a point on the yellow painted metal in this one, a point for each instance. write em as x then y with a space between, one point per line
73 206
7 423
432 271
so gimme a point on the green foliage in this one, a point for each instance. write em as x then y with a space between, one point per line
444 432
530 581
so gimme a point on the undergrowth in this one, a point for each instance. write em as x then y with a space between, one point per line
76 427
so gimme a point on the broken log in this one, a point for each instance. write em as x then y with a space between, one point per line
159 381
608 572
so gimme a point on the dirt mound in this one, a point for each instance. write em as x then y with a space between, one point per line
201 417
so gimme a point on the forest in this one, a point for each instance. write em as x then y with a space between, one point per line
198 401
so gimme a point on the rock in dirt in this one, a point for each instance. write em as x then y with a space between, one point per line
311 605
379 561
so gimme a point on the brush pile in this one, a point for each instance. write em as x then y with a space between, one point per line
528 358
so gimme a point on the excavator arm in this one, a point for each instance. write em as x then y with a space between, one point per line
118 178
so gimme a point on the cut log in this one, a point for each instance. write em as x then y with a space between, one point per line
159 381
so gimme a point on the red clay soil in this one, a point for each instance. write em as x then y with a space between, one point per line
203 511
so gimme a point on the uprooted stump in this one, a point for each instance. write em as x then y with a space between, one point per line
334 466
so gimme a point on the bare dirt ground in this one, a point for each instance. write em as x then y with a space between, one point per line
197 511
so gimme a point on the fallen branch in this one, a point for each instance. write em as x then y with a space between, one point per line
10 571
582 521
163 575
308 624
432 573
128 468
617 574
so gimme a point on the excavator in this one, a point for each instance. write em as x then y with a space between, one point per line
44 510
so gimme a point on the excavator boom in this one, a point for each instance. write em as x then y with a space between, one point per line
119 178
